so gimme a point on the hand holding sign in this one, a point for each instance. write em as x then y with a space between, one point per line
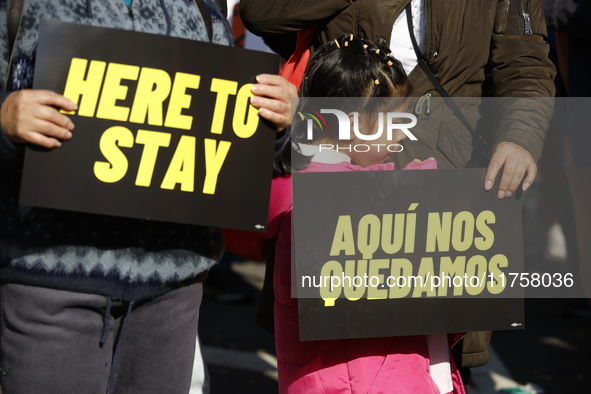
30 116
163 132
382 253
515 162
273 99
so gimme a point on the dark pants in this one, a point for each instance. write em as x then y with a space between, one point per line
50 342
579 179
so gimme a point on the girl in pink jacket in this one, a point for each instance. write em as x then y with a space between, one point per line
348 67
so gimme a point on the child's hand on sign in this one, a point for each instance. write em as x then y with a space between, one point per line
33 116
273 96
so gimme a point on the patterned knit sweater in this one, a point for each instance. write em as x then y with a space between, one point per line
122 258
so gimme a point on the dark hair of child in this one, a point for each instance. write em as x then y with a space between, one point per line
348 66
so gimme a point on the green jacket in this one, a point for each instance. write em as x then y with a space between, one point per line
475 48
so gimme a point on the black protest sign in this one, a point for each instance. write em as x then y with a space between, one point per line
404 253
164 129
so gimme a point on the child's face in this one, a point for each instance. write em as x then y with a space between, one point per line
367 153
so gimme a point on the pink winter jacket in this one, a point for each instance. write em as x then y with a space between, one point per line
351 366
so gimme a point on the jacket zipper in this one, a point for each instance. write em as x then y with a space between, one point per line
527 19
423 101
427 38
523 13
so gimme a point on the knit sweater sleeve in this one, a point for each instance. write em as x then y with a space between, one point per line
7 148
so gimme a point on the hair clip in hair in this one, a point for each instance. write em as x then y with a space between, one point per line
336 42
364 46
389 63
378 51
351 37
376 82
346 43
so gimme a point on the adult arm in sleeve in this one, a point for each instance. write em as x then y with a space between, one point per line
520 70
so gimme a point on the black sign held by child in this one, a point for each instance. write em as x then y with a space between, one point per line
404 253
164 129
